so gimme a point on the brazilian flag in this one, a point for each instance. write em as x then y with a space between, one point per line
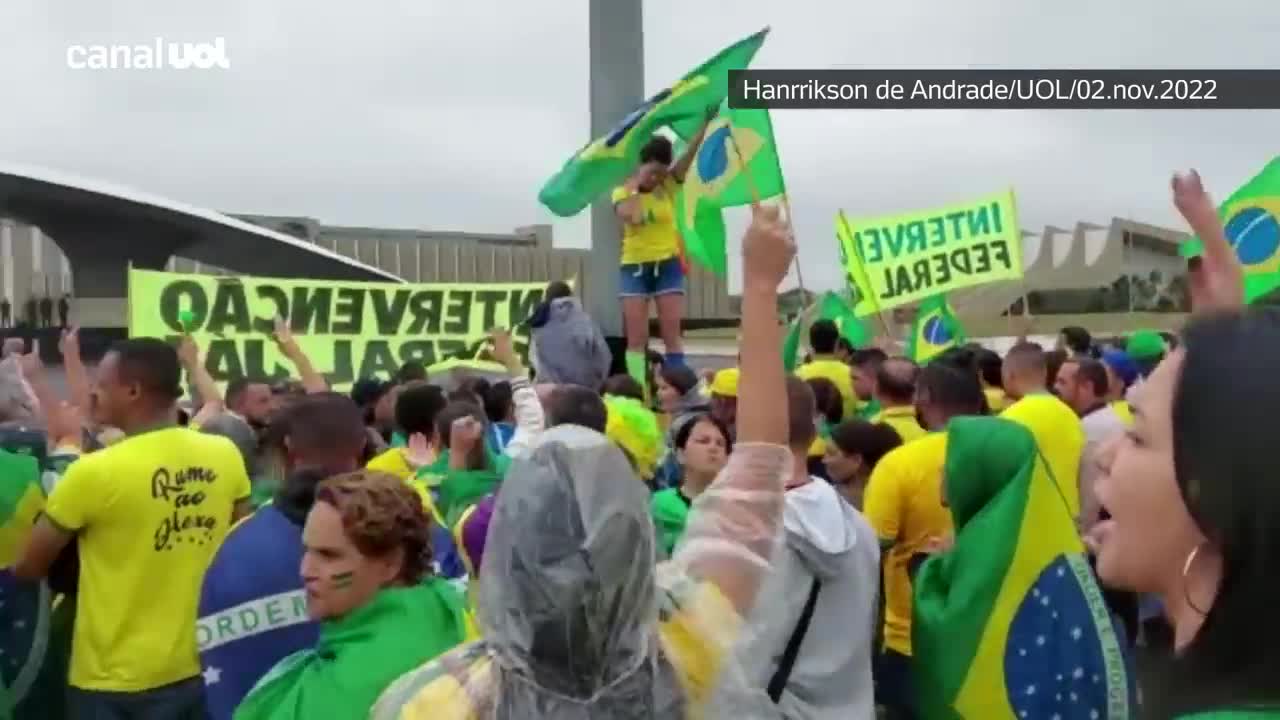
1251 218
830 307
1010 622
606 161
35 632
738 155
936 330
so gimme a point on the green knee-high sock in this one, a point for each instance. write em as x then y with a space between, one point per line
638 367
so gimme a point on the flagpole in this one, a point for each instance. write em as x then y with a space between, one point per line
866 283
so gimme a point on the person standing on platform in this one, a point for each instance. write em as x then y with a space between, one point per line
651 262
32 320
64 311
46 311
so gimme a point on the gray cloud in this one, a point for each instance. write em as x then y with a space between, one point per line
451 115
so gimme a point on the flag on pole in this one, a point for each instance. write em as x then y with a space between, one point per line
936 330
604 162
737 161
865 302
829 307
1251 218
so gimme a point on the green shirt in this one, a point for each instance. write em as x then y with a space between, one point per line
670 510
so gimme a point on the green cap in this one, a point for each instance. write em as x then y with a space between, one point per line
1145 344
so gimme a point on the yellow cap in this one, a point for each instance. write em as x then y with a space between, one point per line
725 383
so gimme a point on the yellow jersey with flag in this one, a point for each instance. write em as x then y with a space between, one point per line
656 238
903 420
903 503
149 511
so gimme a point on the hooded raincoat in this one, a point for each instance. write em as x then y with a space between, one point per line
577 620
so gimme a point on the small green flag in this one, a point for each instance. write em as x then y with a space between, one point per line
830 307
605 162
738 155
936 330
1251 219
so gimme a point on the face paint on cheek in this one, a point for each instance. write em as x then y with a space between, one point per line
342 580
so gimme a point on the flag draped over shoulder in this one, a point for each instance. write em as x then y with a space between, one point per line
34 635
830 307
935 330
738 155
1010 622
1251 218
604 162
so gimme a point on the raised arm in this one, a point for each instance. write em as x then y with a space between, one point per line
77 375
312 381
211 401
731 531
1216 278
681 168
530 419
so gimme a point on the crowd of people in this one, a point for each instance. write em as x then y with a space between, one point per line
976 537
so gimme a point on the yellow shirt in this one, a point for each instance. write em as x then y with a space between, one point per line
656 238
1060 437
1125 412
840 375
392 462
996 399
902 419
149 512
903 503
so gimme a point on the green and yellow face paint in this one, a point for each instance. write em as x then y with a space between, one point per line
342 580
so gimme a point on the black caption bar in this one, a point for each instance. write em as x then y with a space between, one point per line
1005 89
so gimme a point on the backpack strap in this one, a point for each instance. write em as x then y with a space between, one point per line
779 681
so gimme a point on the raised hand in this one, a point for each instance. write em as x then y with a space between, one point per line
188 351
768 249
69 343
504 350
1216 278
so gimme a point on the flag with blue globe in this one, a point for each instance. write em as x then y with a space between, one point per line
936 330
1251 220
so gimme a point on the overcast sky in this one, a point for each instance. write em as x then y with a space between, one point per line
450 115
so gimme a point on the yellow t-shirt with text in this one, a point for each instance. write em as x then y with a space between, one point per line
903 503
656 238
903 420
149 512
1060 437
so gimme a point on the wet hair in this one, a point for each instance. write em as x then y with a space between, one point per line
151 363
680 377
896 380
452 413
381 513
989 366
827 398
499 401
417 408
1224 470
1077 339
801 407
659 150
870 441
823 335
558 289
686 430
623 386
1092 372
576 405
411 371
868 356
953 388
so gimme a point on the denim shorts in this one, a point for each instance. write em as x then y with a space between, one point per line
651 279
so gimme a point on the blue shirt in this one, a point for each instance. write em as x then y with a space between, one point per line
253 609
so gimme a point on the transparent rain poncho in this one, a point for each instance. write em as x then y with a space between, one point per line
577 620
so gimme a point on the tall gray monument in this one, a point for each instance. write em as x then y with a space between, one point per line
617 87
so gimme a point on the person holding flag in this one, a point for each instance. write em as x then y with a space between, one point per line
651 263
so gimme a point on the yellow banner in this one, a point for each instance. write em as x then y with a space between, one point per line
900 259
349 330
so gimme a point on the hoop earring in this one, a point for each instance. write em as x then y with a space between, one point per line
1186 586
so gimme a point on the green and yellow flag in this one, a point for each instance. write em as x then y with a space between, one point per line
738 155
830 307
936 330
1251 218
606 161
1010 622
